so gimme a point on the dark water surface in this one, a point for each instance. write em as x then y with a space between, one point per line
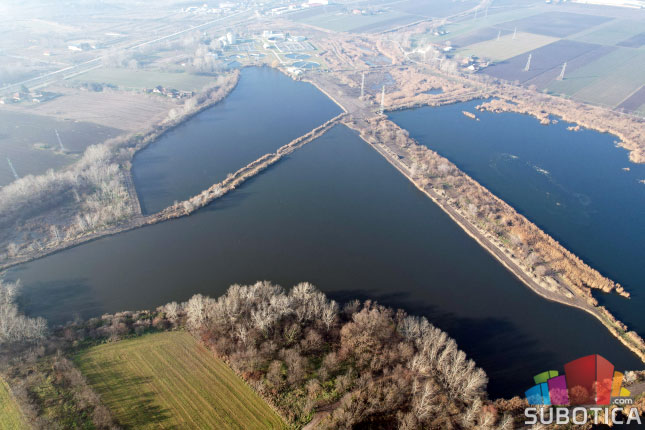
336 214
265 111
571 184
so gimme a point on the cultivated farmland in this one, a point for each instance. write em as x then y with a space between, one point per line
546 59
555 24
607 81
507 46
140 79
611 33
30 142
169 381
10 416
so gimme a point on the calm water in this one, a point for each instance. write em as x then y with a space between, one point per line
265 111
335 213
571 184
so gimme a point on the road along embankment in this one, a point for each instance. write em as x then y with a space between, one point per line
568 282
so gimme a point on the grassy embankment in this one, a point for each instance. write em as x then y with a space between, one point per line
167 380
10 416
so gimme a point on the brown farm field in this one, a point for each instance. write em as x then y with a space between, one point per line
168 381
124 110
140 79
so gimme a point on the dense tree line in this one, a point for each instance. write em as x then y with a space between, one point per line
357 366
14 326
377 367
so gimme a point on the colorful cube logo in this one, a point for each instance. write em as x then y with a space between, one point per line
589 380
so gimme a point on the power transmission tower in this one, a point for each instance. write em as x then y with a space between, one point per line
564 67
363 85
528 64
15 174
383 100
499 34
60 142
515 33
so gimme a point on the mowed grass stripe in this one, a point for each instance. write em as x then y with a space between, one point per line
11 417
165 385
167 380
230 379
144 358
201 365
189 391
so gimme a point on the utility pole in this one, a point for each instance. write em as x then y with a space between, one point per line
383 100
60 142
564 67
15 174
363 85
528 64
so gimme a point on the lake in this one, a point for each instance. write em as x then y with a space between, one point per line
573 185
336 214
265 111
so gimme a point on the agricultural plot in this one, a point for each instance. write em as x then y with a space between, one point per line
555 24
462 29
11 417
338 19
433 9
130 111
507 47
611 33
140 79
168 381
478 36
635 41
29 144
619 84
635 102
546 62
609 80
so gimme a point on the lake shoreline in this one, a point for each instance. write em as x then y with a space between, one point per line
196 202
511 264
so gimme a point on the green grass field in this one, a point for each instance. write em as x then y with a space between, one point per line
337 21
608 80
10 416
610 33
468 26
139 79
507 47
168 381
